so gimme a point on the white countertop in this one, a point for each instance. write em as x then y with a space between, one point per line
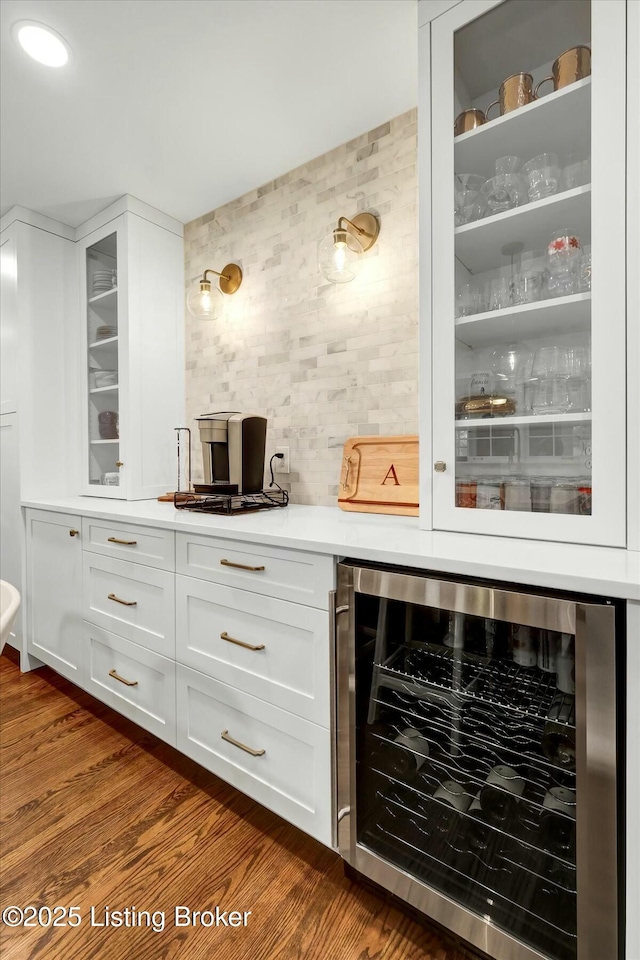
605 571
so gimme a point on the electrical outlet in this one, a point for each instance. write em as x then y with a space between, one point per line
282 465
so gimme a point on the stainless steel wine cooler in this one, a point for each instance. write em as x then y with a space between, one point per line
477 744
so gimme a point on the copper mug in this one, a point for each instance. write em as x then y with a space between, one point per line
468 120
516 91
572 65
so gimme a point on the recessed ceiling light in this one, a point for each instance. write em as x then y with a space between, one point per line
41 42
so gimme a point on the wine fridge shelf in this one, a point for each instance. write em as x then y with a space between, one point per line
524 691
451 766
435 872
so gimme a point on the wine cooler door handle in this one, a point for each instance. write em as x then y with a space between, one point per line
596 775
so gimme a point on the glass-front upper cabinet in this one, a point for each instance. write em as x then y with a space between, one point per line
132 332
102 358
528 302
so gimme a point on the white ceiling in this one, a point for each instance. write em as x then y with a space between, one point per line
187 104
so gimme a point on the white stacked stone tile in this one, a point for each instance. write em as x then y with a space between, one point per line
322 362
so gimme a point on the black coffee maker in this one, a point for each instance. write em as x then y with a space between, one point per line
233 446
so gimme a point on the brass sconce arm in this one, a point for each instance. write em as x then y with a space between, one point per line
365 227
209 270
230 278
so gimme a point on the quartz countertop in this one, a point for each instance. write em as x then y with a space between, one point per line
606 571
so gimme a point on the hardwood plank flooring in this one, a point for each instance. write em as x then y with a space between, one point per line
95 812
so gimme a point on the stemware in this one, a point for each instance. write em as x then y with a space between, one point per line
550 375
511 366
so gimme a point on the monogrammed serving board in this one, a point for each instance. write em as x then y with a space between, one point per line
380 475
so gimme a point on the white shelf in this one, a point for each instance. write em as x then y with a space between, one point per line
522 421
478 245
103 343
528 321
94 442
103 296
556 123
112 389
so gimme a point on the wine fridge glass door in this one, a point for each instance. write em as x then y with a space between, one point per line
469 772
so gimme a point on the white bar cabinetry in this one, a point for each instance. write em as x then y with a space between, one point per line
553 466
253 673
54 589
238 679
132 379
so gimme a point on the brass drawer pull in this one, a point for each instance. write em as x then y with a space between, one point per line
127 683
240 566
250 646
74 533
236 743
125 543
125 603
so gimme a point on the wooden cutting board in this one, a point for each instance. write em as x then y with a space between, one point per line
380 475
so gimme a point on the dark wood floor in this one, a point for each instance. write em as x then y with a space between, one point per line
97 813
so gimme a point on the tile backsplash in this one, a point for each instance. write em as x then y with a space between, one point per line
321 361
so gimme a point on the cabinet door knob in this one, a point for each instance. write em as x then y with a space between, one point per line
439 466
74 533
119 463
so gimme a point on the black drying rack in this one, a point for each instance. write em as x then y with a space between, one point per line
229 504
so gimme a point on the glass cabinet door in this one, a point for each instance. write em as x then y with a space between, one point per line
528 269
102 372
467 775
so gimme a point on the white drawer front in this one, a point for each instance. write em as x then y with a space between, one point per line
217 627
292 776
135 682
133 601
149 545
288 574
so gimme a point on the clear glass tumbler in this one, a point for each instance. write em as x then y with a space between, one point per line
468 205
564 252
542 174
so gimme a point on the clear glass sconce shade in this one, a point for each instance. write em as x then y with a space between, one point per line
338 256
204 302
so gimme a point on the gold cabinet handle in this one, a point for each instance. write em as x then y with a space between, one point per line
125 543
125 603
249 646
127 683
242 746
74 533
239 566
119 463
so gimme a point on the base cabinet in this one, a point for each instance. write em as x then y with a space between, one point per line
281 760
137 682
54 578
238 679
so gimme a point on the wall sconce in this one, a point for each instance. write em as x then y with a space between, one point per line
205 303
339 253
